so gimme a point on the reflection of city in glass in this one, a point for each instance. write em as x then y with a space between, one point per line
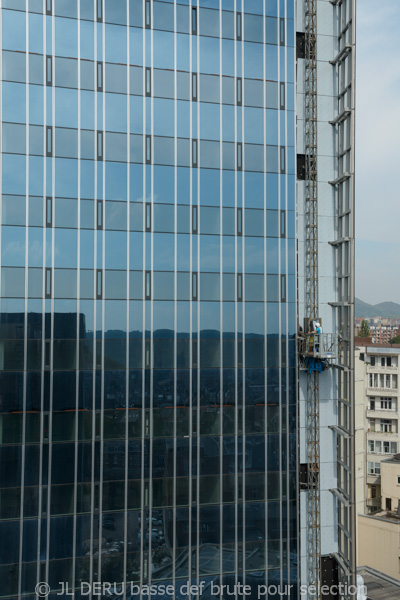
147 383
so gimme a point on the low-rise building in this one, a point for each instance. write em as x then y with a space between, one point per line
377 370
379 534
375 585
383 334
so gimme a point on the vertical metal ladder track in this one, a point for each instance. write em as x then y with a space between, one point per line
311 282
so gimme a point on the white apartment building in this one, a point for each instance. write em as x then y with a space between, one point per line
383 333
377 417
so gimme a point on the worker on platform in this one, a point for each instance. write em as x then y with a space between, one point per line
318 333
301 339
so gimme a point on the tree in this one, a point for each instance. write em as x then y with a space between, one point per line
395 340
364 329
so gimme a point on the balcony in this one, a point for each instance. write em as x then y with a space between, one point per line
380 436
382 413
373 479
373 503
380 369
389 392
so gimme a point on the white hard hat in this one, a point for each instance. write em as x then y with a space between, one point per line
317 324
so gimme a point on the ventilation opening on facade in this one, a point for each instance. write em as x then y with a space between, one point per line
304 477
330 576
300 44
301 167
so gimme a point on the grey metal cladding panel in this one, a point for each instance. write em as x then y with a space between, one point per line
328 20
327 139
327 47
327 79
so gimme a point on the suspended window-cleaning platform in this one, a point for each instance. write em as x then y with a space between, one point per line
318 351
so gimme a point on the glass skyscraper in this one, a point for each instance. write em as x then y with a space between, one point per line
148 404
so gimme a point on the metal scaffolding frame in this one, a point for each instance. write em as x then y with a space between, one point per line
311 299
343 184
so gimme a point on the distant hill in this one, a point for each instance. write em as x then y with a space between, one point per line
383 309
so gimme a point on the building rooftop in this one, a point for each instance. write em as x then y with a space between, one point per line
374 347
385 515
392 459
379 586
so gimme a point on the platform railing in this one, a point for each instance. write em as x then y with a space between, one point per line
319 345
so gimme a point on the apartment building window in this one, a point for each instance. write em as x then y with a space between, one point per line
372 424
386 361
372 361
382 381
375 447
386 404
398 480
389 447
386 426
372 404
374 468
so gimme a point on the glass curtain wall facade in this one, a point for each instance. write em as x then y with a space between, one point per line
148 420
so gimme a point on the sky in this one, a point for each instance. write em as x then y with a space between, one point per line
377 200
